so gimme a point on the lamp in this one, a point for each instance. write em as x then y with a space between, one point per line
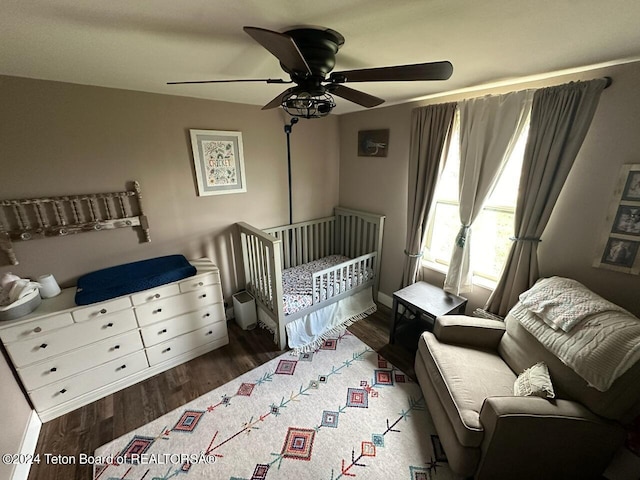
301 103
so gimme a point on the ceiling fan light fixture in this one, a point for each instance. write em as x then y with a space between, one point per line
307 105
308 56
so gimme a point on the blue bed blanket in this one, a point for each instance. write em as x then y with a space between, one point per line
131 277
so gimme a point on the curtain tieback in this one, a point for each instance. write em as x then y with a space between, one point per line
525 239
461 238
414 255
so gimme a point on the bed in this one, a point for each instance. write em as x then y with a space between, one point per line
313 278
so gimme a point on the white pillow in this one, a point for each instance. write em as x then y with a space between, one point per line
534 381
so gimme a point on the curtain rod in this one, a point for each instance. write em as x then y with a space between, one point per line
609 82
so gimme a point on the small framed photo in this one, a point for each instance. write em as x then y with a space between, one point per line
627 221
621 253
618 246
632 187
373 143
219 162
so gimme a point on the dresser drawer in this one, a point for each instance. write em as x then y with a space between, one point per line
100 309
184 343
36 327
64 339
167 329
194 283
87 381
176 305
155 294
57 368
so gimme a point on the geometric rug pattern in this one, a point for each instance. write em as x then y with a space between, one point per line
340 412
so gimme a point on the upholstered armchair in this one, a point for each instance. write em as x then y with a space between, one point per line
467 368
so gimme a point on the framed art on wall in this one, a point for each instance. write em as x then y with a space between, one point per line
219 162
627 220
620 243
632 186
620 252
373 143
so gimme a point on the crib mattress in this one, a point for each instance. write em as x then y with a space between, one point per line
297 283
131 277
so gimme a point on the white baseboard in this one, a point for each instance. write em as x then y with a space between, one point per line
28 447
385 299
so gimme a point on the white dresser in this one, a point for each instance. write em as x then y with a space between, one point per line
68 356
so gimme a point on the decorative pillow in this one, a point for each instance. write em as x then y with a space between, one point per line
534 381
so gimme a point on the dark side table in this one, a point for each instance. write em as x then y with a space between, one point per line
422 303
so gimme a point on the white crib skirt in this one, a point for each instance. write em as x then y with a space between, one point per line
309 332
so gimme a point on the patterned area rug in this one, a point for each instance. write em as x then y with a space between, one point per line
340 412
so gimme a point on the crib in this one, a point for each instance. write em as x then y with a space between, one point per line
271 253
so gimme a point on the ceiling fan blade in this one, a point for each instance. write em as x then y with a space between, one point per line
355 96
418 71
282 47
276 102
267 80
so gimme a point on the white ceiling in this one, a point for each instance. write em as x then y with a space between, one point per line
141 44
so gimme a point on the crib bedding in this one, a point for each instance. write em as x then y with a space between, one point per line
298 288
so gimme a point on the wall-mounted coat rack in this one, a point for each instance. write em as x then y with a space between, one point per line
31 218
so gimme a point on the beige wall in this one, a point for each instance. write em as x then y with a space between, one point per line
59 139
379 184
573 233
15 416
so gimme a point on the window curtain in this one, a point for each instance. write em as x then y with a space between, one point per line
489 129
430 136
560 119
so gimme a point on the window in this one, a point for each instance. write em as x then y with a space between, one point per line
491 232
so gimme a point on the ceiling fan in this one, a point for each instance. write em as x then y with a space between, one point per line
308 56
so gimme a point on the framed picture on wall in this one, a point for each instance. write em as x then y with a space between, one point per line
219 162
632 187
620 252
627 220
620 242
373 143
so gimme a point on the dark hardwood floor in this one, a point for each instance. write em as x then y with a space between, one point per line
87 428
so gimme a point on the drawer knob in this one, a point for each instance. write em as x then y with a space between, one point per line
64 390
123 367
54 369
116 347
157 311
44 345
103 311
209 332
109 325
164 330
207 314
37 330
200 284
203 295
157 295
166 350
